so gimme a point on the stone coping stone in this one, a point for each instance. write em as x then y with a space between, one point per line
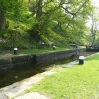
32 95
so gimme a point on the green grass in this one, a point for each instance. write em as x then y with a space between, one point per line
78 82
31 51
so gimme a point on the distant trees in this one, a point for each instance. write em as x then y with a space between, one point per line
94 29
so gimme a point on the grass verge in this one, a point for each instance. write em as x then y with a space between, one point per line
79 82
31 51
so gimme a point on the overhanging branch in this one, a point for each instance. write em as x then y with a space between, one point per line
76 12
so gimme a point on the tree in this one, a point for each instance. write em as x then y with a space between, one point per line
12 7
67 14
48 19
39 8
94 26
2 15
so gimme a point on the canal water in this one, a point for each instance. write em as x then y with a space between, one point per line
15 75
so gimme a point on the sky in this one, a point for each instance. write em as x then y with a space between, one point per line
95 3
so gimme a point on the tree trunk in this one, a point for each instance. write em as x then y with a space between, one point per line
2 19
39 9
29 1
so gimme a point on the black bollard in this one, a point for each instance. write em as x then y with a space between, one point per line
54 47
15 51
81 59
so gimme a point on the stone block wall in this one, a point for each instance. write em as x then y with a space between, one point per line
51 57
16 61
35 60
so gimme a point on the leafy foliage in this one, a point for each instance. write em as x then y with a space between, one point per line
59 21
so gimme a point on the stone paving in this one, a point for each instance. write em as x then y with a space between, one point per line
70 64
2 96
15 89
32 95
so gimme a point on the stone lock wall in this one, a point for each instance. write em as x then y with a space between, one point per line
16 61
35 60
51 57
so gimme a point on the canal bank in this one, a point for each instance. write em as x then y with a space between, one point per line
15 89
14 68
